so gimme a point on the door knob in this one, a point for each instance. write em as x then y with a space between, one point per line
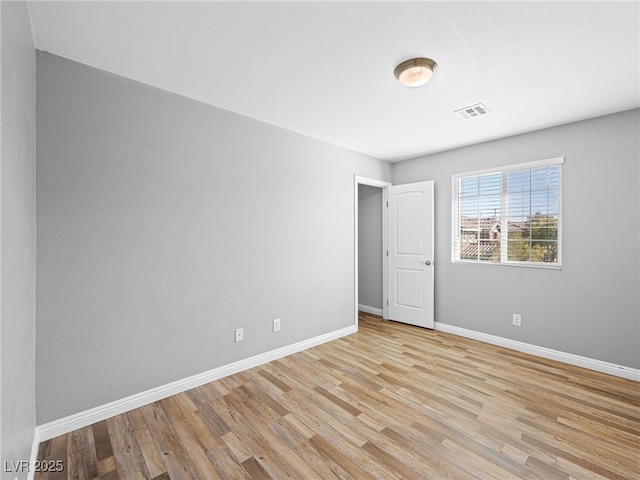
427 262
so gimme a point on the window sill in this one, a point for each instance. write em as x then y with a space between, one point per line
511 264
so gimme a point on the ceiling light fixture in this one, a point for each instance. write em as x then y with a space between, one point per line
415 72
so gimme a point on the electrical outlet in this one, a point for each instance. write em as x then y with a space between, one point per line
517 319
276 325
239 334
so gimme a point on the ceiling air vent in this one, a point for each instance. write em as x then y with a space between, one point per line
472 111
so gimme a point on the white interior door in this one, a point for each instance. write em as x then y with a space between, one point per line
410 260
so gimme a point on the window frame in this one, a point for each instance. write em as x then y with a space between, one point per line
503 171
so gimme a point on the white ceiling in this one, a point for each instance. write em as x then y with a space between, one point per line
325 69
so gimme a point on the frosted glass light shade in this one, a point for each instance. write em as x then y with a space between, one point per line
415 71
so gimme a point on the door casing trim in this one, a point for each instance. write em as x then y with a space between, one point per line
372 182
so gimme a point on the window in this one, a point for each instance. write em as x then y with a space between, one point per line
509 215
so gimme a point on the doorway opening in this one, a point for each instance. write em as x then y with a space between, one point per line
403 259
370 272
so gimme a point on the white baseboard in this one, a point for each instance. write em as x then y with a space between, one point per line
35 445
371 310
584 362
64 425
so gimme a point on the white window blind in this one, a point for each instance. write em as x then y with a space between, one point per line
509 215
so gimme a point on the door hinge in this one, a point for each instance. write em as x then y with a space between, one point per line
387 253
387 302
387 204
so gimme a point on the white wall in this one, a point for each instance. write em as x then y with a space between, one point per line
18 236
590 307
370 246
164 224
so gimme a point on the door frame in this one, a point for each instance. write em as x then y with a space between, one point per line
372 182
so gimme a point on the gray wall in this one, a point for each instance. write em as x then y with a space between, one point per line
164 224
370 246
18 236
588 308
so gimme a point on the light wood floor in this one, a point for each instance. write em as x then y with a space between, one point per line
389 402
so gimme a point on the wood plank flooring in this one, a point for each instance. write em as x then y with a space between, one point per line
389 402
